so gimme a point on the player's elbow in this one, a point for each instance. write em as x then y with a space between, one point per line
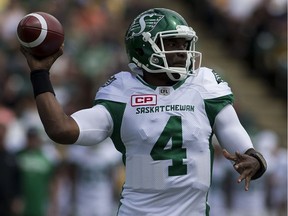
62 135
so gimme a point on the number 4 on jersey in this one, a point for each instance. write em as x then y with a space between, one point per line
173 131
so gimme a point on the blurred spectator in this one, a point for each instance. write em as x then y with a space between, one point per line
276 185
267 52
37 165
248 203
92 186
254 31
14 136
10 203
63 187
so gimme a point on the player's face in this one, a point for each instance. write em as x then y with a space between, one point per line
177 59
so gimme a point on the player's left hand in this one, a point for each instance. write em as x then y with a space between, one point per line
244 164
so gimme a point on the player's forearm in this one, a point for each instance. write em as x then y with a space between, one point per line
231 134
58 126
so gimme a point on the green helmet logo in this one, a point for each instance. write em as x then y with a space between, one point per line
144 22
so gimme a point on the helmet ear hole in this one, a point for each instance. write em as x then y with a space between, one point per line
155 60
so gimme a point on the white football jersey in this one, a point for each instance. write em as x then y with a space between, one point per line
164 134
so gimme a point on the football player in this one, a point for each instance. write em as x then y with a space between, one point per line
161 116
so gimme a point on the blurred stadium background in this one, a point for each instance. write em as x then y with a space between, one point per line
244 41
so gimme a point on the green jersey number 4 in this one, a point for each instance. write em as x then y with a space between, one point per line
176 153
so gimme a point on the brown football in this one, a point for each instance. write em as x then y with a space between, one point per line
40 33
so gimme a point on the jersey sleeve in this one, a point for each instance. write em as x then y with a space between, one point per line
211 85
231 134
114 95
215 92
95 125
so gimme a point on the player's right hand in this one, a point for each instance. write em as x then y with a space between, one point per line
244 164
43 63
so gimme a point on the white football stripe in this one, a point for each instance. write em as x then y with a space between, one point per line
42 35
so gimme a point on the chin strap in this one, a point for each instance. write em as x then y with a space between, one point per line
263 165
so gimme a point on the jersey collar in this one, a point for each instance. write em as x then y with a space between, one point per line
175 86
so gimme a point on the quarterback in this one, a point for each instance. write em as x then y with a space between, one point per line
161 116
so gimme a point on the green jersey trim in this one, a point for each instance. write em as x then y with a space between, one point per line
116 110
215 105
178 84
